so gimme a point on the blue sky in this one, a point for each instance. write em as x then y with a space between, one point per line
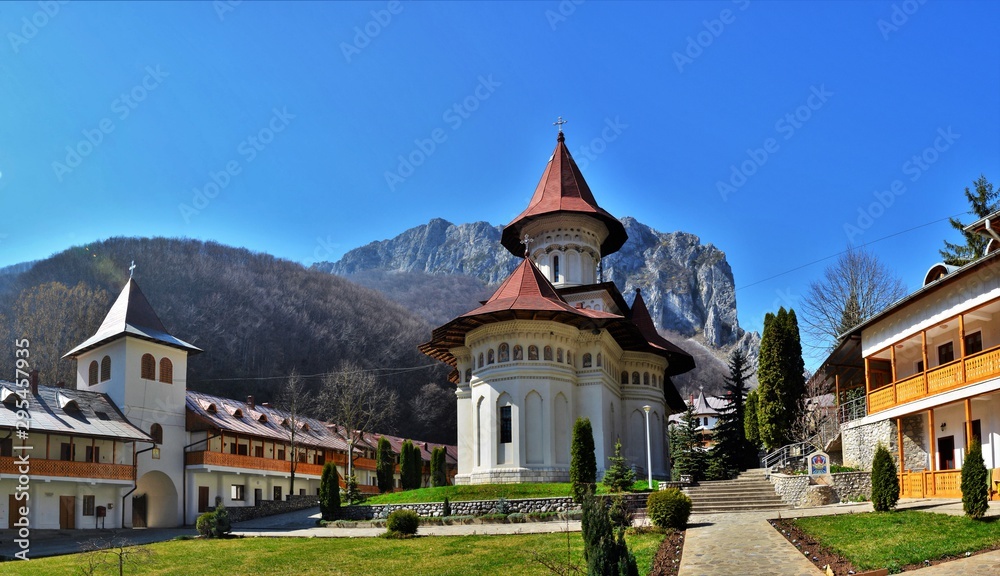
776 131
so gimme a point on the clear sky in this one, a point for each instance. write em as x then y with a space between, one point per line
777 131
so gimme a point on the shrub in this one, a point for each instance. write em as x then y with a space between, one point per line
329 492
353 493
885 482
446 508
975 483
620 512
403 521
669 508
409 466
619 476
222 524
502 507
439 467
206 524
605 551
385 463
583 462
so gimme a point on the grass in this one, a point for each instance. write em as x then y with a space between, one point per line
439 555
894 539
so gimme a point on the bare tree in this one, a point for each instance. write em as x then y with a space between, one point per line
292 399
113 552
354 399
853 289
816 414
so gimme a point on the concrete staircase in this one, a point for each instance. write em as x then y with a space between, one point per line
750 492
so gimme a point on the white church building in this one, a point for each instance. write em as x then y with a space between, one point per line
556 343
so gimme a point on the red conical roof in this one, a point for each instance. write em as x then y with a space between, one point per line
563 189
680 361
525 289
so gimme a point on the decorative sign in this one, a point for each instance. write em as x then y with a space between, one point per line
819 464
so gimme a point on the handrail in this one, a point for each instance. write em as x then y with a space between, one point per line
782 456
852 410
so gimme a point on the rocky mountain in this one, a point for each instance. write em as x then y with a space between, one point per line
688 286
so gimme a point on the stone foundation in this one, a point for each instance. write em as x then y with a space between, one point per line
515 476
476 507
800 491
860 439
271 507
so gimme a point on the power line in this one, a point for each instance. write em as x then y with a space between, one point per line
818 260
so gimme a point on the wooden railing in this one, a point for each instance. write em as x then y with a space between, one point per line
980 366
67 469
940 484
250 462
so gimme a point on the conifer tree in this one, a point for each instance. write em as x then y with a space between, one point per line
385 465
329 492
439 470
780 377
583 461
750 427
731 453
975 483
619 477
885 482
685 446
983 202
409 466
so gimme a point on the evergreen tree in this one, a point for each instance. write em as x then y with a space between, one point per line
439 467
750 427
409 466
780 377
385 465
329 492
885 482
731 453
983 202
604 547
975 483
619 477
583 461
685 447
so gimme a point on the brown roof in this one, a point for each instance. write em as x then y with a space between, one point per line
680 361
563 189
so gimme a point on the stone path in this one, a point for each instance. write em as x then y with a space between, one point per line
745 544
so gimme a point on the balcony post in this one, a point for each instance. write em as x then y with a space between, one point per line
892 357
933 445
961 344
899 440
923 351
868 377
968 424
836 386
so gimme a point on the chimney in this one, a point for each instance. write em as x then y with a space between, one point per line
33 375
250 402
60 384
691 401
265 404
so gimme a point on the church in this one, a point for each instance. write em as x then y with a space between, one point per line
555 343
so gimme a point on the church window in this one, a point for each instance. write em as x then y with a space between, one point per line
468 374
105 368
624 377
635 378
559 355
555 269
532 352
506 425
480 360
489 356
587 360
148 371
156 433
518 352
92 376
166 371
504 352
569 358
645 378
547 353
599 364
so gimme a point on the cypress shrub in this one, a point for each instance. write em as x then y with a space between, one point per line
583 462
385 464
669 508
222 524
439 467
604 547
975 483
329 492
409 460
885 482
403 521
446 507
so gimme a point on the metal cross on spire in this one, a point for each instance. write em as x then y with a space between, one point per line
559 123
527 241
131 269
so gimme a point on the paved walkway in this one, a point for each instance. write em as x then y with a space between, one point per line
744 544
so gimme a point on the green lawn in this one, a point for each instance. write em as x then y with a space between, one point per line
438 555
891 540
485 492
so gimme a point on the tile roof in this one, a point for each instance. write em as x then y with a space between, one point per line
563 189
131 315
680 361
68 411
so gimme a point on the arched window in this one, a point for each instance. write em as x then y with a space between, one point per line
559 355
148 368
518 352
166 371
555 269
105 368
489 356
547 353
532 352
504 352
645 378
92 376
587 360
599 364
624 377
156 432
468 374
635 378
480 360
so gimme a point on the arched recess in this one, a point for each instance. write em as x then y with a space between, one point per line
482 439
533 441
161 500
656 440
637 438
561 429
506 429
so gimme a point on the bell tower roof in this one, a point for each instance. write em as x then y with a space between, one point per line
563 189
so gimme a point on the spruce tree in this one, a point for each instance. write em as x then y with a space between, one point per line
975 483
583 461
619 477
731 453
385 464
885 482
604 546
983 202
685 447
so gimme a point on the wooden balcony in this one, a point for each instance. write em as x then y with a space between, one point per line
976 367
205 458
67 469
940 484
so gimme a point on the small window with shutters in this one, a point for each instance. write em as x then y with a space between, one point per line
105 368
148 367
92 373
166 371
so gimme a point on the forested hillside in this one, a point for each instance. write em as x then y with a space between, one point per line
256 316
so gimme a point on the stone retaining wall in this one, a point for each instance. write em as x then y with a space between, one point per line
858 441
791 489
476 507
272 507
851 486
847 485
